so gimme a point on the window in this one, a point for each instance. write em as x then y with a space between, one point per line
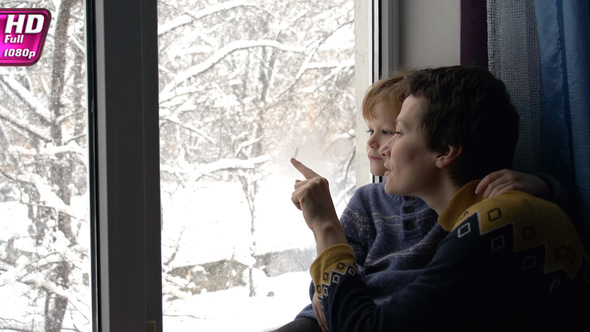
45 236
105 178
134 55
244 86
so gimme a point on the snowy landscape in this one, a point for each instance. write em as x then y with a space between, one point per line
243 86
278 297
281 227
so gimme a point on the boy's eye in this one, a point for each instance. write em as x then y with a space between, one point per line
386 132
370 131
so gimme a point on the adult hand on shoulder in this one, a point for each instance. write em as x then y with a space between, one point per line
504 180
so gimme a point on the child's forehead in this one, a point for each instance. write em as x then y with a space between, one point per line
383 111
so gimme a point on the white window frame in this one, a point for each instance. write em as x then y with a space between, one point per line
376 57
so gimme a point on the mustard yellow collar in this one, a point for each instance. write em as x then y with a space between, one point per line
461 201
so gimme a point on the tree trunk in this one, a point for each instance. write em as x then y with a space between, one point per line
61 172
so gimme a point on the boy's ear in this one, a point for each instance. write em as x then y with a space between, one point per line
447 157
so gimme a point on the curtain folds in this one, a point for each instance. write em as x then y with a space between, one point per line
541 50
564 48
513 57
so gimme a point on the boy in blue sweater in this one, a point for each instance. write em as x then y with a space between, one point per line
512 261
394 236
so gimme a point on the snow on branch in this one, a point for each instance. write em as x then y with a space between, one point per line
167 92
245 144
332 64
178 22
50 150
188 127
47 197
72 147
24 125
27 97
230 164
53 201
217 166
191 17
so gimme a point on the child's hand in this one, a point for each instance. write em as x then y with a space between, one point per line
319 313
504 180
312 197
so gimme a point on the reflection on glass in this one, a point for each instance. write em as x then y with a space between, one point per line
243 87
44 229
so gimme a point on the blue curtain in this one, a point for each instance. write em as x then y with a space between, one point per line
564 46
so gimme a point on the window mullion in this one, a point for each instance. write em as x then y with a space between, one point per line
127 196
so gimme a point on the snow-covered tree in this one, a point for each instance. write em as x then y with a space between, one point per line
43 165
241 81
242 84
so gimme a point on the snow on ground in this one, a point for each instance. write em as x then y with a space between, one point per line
234 310
215 225
205 225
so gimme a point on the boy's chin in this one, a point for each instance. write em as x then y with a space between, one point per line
377 171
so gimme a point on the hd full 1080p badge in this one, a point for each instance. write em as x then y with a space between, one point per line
23 33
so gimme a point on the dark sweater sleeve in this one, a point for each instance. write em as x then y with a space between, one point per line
559 195
474 278
355 221
348 306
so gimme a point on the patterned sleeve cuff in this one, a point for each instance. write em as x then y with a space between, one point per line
330 265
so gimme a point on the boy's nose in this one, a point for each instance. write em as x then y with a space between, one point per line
372 142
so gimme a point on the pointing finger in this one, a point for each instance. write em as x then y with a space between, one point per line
304 170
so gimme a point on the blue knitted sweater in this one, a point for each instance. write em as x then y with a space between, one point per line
392 236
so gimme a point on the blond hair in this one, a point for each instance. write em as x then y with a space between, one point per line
391 90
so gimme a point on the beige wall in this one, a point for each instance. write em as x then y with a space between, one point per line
429 32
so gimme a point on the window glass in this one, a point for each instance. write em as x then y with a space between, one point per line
44 204
244 86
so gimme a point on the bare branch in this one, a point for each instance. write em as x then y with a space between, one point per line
189 127
167 93
27 97
24 125
192 16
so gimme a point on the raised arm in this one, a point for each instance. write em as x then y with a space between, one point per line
312 197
